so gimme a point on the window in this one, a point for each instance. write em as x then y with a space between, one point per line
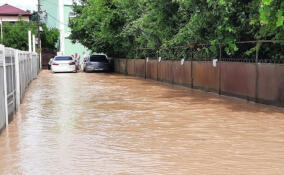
98 58
63 59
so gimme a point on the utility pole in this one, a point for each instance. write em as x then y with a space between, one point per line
38 32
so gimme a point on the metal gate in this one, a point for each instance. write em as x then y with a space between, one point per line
17 70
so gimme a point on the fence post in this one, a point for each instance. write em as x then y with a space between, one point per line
135 67
12 64
145 69
17 76
31 62
256 67
118 63
126 65
158 55
5 88
220 69
39 57
191 69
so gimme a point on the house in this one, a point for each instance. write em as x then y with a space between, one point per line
10 13
57 15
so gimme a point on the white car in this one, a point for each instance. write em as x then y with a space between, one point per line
63 64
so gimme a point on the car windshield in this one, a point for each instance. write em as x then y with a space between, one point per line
63 59
98 58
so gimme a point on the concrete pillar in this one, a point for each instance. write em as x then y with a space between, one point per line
30 41
34 50
61 26
5 86
17 75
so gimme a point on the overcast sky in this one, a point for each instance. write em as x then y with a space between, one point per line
22 4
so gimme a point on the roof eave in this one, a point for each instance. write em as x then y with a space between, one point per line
3 14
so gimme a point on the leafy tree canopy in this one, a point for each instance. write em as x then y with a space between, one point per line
118 26
15 35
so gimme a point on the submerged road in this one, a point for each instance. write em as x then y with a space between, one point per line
113 124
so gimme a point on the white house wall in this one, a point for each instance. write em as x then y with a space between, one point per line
14 18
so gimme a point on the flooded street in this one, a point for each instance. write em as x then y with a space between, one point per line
112 124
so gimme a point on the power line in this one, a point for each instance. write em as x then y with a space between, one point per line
19 26
57 19
51 3
59 22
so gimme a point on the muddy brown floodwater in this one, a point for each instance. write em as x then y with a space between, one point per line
113 124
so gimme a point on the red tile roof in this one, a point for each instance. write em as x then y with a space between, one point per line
9 10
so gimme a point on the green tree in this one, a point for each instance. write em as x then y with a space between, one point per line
98 26
15 35
119 26
49 37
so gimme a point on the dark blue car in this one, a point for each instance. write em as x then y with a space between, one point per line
96 63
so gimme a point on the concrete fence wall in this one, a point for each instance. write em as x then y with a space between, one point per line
260 82
270 84
238 79
140 68
17 70
205 76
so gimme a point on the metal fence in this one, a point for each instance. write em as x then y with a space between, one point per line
260 51
17 70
